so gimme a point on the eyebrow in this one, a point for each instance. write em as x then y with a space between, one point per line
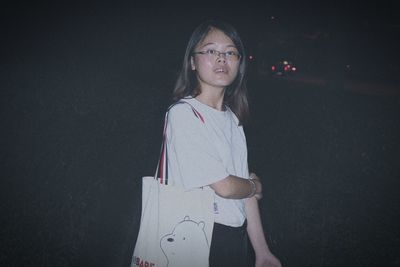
215 43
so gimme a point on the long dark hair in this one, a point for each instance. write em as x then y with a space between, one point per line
187 84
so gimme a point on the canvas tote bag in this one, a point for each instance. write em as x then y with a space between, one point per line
176 225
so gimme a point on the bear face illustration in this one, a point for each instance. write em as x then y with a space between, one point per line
186 245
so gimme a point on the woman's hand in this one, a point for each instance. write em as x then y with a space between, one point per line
256 179
267 260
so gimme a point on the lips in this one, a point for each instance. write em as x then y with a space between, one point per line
221 70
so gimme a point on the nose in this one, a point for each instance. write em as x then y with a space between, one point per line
221 58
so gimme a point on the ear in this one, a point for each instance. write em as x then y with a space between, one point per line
192 63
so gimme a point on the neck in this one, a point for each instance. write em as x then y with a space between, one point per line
212 98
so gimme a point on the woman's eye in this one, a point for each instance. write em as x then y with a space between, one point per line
231 53
211 51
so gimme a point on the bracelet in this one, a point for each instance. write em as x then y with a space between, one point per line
253 188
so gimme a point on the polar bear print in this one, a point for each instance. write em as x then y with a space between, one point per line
186 245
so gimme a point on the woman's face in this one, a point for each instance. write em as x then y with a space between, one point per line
215 68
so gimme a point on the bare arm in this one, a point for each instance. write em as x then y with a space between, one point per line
234 187
264 257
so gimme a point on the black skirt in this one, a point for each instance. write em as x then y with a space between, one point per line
229 246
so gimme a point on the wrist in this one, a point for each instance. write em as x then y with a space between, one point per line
253 186
262 251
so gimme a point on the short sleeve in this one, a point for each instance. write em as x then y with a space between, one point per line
196 157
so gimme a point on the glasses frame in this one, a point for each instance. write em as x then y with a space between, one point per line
218 54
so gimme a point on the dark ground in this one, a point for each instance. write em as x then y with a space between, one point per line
81 107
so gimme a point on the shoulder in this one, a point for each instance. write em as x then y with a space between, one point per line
183 111
179 109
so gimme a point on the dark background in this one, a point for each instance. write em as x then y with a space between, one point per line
84 86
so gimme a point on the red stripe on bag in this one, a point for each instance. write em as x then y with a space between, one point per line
166 166
163 157
161 171
197 114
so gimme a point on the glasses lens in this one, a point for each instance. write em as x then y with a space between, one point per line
233 56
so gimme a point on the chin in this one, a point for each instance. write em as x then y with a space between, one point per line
224 81
224 84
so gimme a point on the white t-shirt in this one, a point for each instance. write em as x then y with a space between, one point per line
205 148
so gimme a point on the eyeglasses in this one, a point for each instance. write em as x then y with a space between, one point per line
214 54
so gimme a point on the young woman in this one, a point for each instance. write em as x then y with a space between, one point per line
207 145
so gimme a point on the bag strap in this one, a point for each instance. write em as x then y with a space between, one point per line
162 166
